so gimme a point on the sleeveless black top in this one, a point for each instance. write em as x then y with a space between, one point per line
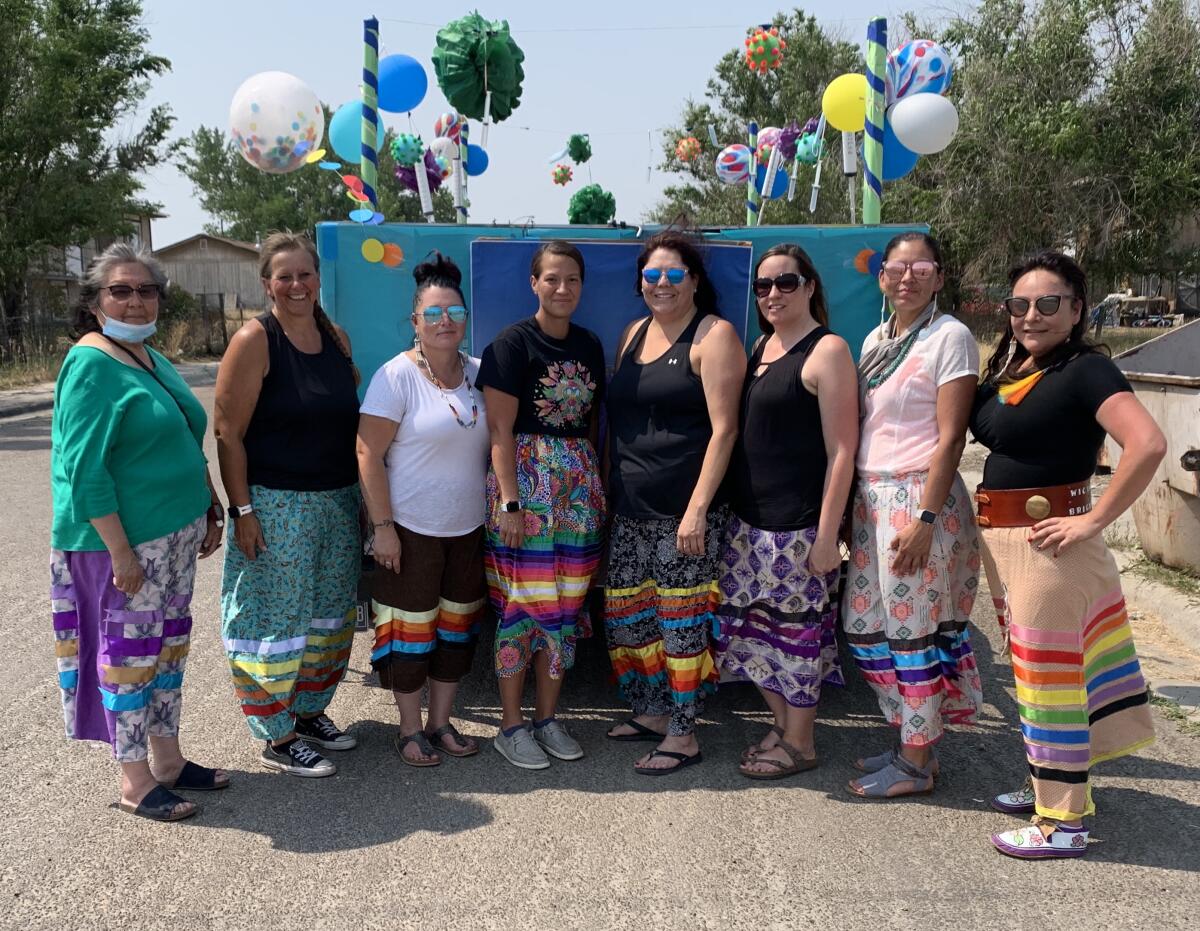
658 421
777 472
302 432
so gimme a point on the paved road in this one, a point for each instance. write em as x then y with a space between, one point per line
478 844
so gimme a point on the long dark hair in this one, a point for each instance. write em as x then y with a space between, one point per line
685 245
277 244
437 271
1000 367
816 304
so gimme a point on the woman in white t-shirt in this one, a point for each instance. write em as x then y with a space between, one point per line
422 454
914 555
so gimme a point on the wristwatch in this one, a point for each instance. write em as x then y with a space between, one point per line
240 510
928 517
511 507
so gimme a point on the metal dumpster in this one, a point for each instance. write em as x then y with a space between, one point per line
1165 374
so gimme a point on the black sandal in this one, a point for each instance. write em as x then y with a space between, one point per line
198 778
449 730
429 755
160 804
642 732
684 759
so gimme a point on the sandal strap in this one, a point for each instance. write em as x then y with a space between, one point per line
909 769
420 739
444 730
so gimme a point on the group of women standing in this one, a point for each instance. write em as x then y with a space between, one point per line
718 501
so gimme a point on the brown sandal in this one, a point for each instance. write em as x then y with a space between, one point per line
449 730
756 748
423 744
798 763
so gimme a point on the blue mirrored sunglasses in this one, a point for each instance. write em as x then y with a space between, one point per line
674 275
434 314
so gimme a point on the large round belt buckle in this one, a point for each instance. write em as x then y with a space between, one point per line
1037 507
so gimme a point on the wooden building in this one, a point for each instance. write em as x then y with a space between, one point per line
211 267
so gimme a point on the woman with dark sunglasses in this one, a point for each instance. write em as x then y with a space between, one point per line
543 378
789 478
1047 400
914 552
673 420
422 454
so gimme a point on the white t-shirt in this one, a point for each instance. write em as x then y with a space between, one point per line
899 427
436 468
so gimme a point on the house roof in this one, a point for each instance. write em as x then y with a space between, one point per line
237 243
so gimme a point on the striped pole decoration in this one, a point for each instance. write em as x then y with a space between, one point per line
752 199
873 136
368 166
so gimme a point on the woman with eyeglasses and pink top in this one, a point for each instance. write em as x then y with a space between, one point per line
914 553
788 481
422 454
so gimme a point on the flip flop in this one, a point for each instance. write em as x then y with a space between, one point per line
798 764
683 758
422 742
197 779
159 805
449 730
643 733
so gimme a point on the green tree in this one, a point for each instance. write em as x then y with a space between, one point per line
735 95
72 70
246 203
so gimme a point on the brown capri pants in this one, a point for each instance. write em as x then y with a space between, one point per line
427 614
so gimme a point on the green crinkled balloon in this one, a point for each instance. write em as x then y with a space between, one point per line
591 205
579 148
463 48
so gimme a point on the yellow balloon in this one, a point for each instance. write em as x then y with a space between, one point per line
845 103
372 250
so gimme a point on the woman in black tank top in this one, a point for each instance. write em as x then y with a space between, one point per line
286 421
789 478
672 419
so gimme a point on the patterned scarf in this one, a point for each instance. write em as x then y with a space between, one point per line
1014 392
874 362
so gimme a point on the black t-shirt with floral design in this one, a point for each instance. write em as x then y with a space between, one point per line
556 382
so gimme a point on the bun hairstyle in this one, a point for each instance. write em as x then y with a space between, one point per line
437 271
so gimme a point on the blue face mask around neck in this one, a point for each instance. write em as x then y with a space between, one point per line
128 332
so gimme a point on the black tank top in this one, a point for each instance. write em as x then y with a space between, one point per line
777 471
301 435
658 420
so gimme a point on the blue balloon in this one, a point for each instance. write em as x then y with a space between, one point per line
402 84
345 132
477 160
779 186
897 160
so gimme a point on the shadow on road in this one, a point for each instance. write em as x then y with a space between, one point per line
25 435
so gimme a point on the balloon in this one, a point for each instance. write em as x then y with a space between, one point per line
916 67
562 175
687 149
446 148
448 125
477 160
897 160
402 83
733 164
845 103
345 132
779 185
808 149
407 148
924 123
407 174
275 119
472 52
764 50
768 136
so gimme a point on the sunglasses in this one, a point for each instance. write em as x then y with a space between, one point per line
786 283
434 314
674 275
922 269
122 292
1047 305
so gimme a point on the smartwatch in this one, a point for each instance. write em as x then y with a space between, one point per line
511 507
240 510
928 517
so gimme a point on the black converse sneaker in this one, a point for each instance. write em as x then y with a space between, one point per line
324 733
296 758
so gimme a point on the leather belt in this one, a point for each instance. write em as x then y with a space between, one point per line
1024 507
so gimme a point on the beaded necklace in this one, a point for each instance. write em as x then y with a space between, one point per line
423 363
905 348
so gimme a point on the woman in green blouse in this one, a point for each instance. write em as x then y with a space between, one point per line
133 507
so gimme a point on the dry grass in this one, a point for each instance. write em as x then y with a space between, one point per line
33 370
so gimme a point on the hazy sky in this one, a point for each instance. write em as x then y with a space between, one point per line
617 70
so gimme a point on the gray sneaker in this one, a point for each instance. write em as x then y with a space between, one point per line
521 750
555 740
297 759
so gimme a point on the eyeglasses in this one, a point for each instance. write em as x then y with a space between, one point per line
434 314
1047 305
922 269
674 275
786 283
122 292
